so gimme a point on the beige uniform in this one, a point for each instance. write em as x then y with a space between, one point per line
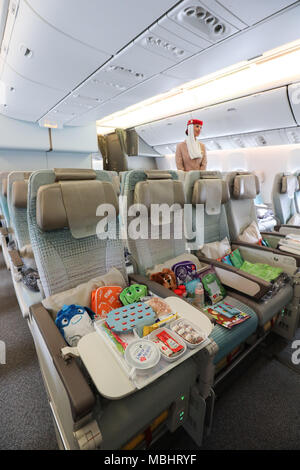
185 162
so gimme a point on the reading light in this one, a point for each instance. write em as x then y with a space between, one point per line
273 69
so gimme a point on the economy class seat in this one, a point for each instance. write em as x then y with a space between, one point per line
150 255
70 257
21 257
227 216
5 218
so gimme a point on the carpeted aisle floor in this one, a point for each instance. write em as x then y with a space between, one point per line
25 418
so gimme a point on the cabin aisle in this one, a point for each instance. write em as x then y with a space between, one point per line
25 418
258 406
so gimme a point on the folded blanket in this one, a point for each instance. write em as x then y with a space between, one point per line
263 271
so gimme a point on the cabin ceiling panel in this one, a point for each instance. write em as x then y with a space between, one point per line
106 26
26 98
254 11
41 53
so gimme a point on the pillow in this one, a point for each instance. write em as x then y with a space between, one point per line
251 234
27 256
295 220
82 294
216 250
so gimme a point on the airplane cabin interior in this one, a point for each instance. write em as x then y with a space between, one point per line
150 225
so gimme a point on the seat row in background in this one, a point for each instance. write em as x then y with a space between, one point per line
72 261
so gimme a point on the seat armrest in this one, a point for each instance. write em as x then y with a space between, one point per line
81 397
15 258
262 286
154 287
271 234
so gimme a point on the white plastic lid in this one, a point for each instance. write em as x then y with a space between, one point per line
142 354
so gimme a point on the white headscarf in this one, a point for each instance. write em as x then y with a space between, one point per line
194 147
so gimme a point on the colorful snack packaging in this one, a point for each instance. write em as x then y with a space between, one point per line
212 285
184 271
133 294
236 258
169 341
105 299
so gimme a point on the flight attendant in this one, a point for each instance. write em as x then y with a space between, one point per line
191 154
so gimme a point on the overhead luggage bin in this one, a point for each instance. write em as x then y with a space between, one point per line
259 112
254 13
294 97
26 100
36 51
93 25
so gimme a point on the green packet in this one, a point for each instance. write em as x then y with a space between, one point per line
212 285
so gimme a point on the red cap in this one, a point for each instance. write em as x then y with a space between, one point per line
195 121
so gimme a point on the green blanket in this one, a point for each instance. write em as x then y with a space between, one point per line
264 271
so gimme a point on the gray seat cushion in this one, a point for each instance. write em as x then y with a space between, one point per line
266 310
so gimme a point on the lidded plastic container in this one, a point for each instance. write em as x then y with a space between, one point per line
190 334
142 355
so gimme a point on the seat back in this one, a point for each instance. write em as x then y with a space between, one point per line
147 188
240 209
64 228
208 190
17 190
283 196
297 193
3 197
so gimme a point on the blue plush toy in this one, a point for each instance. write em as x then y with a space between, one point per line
74 321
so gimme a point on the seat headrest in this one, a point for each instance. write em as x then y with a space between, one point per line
158 175
289 184
19 194
210 175
212 193
74 174
73 204
246 186
4 187
166 191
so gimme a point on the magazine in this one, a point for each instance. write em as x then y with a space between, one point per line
223 314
